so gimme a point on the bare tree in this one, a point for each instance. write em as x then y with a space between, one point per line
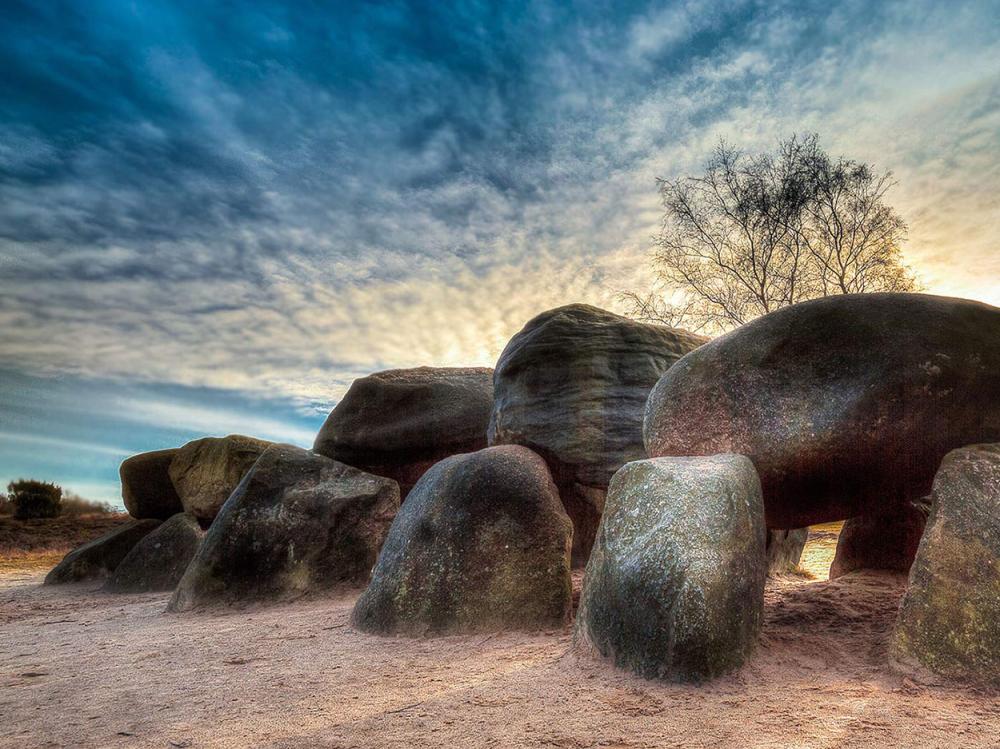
758 232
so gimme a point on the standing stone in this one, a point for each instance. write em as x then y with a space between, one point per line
880 542
205 472
481 544
297 523
949 620
846 405
572 385
146 487
100 557
784 550
158 561
400 422
674 589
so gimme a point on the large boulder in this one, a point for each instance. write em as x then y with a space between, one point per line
674 589
297 523
205 472
846 404
99 558
481 544
158 561
400 422
146 487
887 541
572 386
949 620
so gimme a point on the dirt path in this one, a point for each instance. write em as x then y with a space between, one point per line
81 668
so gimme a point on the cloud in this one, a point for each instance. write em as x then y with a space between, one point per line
280 200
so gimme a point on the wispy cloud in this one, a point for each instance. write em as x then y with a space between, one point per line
281 200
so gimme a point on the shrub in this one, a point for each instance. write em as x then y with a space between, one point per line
74 504
34 499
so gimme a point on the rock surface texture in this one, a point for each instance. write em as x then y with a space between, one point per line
146 487
572 385
205 472
100 557
400 422
158 561
481 544
674 589
949 620
297 523
846 404
880 542
784 549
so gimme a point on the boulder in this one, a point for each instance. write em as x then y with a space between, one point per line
297 523
880 542
949 620
784 549
205 472
158 561
146 486
572 386
400 422
481 544
846 404
100 557
674 588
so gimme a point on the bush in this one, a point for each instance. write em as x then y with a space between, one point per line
74 504
34 499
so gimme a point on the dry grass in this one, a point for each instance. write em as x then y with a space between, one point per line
37 539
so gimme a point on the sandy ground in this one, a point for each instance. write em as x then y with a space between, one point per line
82 668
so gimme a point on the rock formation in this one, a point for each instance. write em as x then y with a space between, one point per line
481 544
100 557
572 386
784 549
158 561
674 588
949 620
846 404
146 487
400 422
205 472
880 542
297 523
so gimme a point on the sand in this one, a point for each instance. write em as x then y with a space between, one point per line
83 668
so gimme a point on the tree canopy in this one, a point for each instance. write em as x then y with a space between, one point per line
756 232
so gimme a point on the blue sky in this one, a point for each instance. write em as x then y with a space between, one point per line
214 216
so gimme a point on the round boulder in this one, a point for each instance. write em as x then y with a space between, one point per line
158 561
205 472
297 523
146 487
674 589
400 422
846 404
572 386
481 544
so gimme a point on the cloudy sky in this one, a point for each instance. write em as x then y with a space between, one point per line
213 216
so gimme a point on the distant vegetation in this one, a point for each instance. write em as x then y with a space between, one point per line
757 232
27 499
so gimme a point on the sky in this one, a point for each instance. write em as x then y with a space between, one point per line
214 216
